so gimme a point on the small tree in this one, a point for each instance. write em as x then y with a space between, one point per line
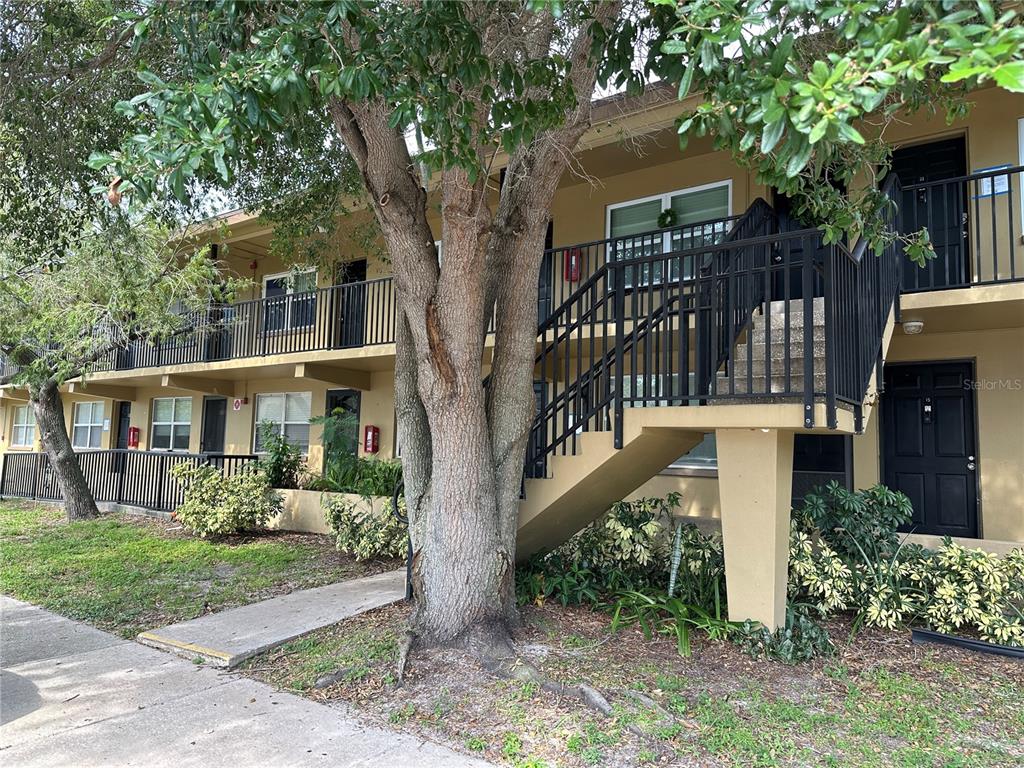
78 278
118 284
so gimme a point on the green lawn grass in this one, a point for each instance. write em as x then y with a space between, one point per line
880 702
129 574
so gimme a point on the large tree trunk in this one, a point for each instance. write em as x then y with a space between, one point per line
49 410
464 448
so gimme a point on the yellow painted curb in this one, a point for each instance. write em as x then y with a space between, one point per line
185 646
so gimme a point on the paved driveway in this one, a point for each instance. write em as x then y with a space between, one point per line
71 695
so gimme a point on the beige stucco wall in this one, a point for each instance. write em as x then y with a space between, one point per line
998 356
621 173
303 510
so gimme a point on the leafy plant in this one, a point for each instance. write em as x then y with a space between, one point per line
366 477
857 522
560 578
340 438
216 505
975 589
364 530
626 549
801 639
344 471
659 613
282 461
859 564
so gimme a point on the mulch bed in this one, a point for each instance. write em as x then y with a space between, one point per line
716 707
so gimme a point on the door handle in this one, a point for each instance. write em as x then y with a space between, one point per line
970 463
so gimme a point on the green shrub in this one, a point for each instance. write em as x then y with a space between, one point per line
364 532
365 477
216 505
377 477
656 612
282 461
857 523
969 588
628 548
344 471
340 438
802 639
861 566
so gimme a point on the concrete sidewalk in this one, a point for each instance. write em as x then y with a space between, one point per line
71 695
228 638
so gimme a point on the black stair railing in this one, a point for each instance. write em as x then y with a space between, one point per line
733 301
759 316
862 289
618 319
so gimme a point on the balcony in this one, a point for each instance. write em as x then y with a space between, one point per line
974 221
975 226
339 317
362 314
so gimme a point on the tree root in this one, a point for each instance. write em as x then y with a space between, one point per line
405 646
514 668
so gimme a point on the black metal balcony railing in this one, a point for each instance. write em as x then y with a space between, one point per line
133 478
338 317
690 336
363 313
974 224
974 221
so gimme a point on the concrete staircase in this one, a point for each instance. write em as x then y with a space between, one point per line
581 486
755 375
583 483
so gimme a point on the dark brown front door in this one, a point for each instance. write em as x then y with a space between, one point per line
928 445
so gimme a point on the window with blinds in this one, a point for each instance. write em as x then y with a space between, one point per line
287 414
87 425
23 433
172 423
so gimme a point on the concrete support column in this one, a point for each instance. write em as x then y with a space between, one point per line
755 483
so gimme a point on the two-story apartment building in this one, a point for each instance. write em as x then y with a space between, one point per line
680 305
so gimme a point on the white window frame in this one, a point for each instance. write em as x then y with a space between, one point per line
88 426
666 202
284 420
28 427
289 278
153 424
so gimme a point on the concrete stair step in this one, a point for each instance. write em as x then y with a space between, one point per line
776 314
777 350
796 305
777 384
796 320
758 367
796 335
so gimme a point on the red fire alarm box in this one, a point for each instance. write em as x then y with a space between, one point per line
371 439
133 437
573 265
